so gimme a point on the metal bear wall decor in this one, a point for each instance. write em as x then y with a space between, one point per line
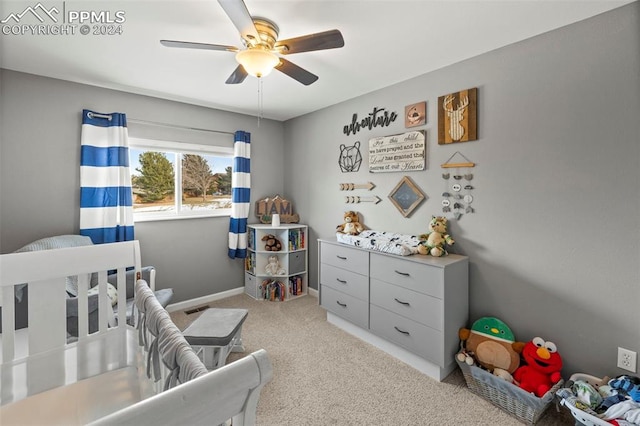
350 158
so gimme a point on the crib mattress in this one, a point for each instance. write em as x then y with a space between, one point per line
75 384
81 402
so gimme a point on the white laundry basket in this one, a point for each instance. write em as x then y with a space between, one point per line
583 417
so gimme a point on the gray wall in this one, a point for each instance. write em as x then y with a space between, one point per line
39 175
554 243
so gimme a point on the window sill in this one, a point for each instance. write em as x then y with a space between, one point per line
150 218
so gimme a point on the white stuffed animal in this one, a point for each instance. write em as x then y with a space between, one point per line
273 266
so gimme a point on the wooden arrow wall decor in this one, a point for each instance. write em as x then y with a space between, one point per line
351 186
351 199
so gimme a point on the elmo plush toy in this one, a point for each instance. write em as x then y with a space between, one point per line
542 369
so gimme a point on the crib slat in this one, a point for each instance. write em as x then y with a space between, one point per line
8 324
103 306
47 315
47 332
122 297
83 306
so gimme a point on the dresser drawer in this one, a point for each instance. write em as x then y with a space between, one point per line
345 281
418 307
415 276
417 338
345 306
352 259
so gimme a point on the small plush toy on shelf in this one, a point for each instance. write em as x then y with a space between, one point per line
435 241
351 224
271 243
273 266
542 368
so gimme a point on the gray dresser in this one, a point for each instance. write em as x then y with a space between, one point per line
409 306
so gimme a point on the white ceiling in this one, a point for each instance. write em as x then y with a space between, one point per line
386 42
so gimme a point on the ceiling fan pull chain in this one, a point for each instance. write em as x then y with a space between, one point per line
260 101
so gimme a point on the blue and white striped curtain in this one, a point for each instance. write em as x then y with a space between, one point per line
106 209
240 195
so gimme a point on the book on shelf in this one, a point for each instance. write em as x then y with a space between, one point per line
296 239
295 285
250 263
273 290
251 238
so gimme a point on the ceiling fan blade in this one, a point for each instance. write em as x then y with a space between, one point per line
239 15
237 76
203 46
295 72
319 41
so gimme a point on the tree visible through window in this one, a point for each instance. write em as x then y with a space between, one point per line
202 180
197 177
156 179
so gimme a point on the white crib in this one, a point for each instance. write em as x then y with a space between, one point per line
102 377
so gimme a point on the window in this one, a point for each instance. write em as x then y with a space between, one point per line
172 180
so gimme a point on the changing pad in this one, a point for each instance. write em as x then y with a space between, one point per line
387 242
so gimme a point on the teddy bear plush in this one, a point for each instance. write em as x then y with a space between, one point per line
271 243
542 368
493 344
351 224
436 239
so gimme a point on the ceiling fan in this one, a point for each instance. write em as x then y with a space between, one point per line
262 49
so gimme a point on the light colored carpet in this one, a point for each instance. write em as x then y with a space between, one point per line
325 376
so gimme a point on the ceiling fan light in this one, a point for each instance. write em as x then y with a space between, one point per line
257 62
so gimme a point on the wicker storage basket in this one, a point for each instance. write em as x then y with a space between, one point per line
526 407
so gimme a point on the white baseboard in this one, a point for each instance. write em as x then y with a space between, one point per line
185 304
204 299
426 367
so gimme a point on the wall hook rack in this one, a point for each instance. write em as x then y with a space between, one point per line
447 164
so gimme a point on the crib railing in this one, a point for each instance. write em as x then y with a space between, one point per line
41 359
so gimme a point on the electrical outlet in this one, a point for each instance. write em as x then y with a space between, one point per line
627 359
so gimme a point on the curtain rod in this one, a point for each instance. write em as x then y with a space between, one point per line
155 123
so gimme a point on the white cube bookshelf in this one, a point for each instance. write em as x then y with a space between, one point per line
292 281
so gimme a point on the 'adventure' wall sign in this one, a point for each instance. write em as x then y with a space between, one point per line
379 117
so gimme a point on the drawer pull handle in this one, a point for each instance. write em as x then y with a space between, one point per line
406 274
341 257
401 302
402 331
341 281
344 305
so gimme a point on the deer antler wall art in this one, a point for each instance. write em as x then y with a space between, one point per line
457 117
